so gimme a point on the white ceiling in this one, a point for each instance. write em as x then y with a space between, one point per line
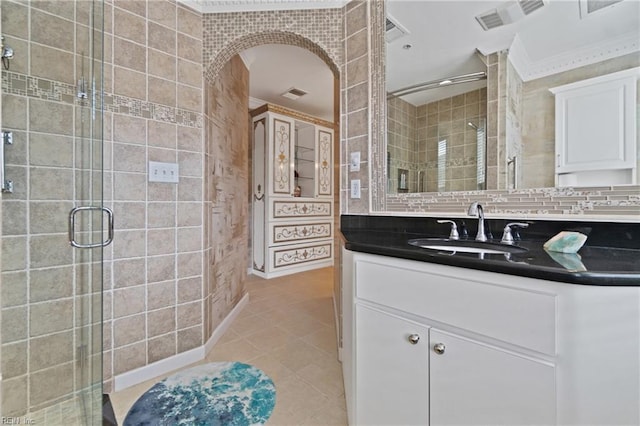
445 36
276 68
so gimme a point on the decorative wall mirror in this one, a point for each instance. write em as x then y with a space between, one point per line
469 105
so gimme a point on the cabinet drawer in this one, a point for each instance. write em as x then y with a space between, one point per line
300 254
300 209
479 303
287 233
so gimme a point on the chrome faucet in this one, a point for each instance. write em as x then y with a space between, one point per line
476 209
453 235
507 237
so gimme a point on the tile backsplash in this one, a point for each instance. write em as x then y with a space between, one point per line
622 202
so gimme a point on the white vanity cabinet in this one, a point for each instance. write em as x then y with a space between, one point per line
433 344
392 362
476 383
292 206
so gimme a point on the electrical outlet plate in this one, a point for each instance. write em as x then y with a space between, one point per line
163 172
355 188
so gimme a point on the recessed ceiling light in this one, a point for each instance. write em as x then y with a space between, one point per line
407 46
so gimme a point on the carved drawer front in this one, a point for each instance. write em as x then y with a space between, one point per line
301 209
298 232
283 257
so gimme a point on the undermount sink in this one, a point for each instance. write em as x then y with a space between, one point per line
464 246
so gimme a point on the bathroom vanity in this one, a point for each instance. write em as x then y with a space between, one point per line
441 337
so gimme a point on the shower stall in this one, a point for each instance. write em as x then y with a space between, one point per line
54 225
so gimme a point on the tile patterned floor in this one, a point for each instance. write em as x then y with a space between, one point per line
288 331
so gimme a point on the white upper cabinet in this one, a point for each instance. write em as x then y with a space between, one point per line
596 142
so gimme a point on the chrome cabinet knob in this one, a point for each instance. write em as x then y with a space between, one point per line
414 339
439 348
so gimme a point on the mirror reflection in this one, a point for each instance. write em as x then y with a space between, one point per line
438 146
471 102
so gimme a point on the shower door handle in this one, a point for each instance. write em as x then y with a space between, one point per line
72 227
5 185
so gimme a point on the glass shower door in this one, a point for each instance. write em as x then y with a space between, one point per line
51 291
89 220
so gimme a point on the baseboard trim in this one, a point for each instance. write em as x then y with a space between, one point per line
336 319
225 324
158 368
162 367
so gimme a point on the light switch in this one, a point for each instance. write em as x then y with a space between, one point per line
163 172
354 164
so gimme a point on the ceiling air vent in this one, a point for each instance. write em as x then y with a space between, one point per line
294 93
529 6
394 30
590 6
490 20
508 13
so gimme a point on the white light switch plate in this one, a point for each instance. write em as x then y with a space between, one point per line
163 172
354 164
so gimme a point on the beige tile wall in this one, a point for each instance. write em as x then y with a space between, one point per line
402 147
447 119
41 274
497 95
413 134
356 113
153 303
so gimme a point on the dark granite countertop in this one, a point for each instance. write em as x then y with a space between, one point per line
597 264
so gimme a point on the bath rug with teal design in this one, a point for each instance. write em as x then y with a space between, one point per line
219 393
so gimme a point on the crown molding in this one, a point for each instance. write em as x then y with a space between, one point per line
222 6
256 102
529 69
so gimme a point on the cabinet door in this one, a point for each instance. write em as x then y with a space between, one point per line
596 124
392 369
282 139
324 162
476 384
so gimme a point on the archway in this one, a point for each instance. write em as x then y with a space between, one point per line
219 60
266 37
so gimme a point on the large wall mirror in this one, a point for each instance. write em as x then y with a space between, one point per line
469 91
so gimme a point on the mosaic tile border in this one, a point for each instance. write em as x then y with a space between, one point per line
226 34
377 105
40 88
610 201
